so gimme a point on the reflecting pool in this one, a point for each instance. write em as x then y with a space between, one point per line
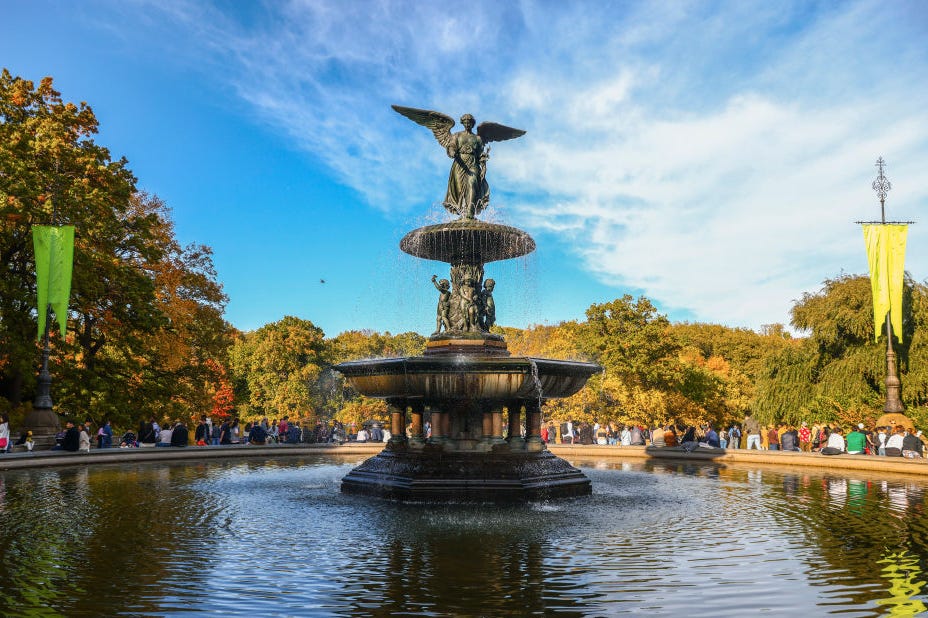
277 538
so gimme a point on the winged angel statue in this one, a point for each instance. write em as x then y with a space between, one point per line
468 191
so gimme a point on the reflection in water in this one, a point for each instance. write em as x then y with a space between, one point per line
278 539
901 569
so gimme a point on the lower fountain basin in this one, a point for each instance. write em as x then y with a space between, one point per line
467 377
466 477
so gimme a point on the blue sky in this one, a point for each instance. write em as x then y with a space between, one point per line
712 156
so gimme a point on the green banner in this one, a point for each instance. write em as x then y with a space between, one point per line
54 260
886 256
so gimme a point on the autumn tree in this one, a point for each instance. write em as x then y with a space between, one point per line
275 369
144 313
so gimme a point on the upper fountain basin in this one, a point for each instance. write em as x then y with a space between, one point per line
467 241
467 377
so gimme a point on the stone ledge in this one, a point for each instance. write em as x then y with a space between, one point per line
47 459
897 465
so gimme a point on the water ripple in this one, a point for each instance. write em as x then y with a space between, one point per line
277 538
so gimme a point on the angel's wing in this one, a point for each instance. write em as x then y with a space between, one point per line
439 124
493 132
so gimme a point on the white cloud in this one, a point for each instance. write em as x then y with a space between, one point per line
714 158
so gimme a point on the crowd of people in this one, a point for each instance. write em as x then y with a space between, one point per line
230 431
824 438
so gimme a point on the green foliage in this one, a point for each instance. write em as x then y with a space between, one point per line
275 368
631 340
838 372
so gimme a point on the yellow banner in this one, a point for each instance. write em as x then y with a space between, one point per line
886 256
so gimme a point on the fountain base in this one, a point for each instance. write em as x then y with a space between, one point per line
430 475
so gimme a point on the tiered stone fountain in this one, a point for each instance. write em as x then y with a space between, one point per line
466 379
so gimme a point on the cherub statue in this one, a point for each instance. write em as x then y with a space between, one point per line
469 299
444 304
468 192
487 305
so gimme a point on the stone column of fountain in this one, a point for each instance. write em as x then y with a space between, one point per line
467 376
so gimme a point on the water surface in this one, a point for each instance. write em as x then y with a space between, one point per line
277 538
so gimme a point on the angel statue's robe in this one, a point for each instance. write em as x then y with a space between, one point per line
468 191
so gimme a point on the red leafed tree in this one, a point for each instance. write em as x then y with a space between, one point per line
224 397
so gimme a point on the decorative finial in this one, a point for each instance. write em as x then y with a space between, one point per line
882 186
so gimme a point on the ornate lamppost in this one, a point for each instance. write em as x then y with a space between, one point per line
886 254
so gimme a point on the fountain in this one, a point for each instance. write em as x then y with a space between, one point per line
466 377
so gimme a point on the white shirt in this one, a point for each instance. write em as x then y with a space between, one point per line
165 436
895 441
836 440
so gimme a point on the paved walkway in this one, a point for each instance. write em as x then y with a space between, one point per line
43 459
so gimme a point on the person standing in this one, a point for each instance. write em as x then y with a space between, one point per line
201 435
752 428
225 433
83 439
773 438
568 433
625 438
107 429
734 436
805 438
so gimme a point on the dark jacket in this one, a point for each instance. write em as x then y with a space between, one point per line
147 433
179 436
202 433
72 439
225 433
257 435
586 434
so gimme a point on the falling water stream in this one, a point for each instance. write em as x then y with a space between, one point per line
277 538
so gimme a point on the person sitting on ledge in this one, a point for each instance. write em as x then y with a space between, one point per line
856 441
835 444
180 435
712 438
670 435
164 438
896 441
911 444
71 440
